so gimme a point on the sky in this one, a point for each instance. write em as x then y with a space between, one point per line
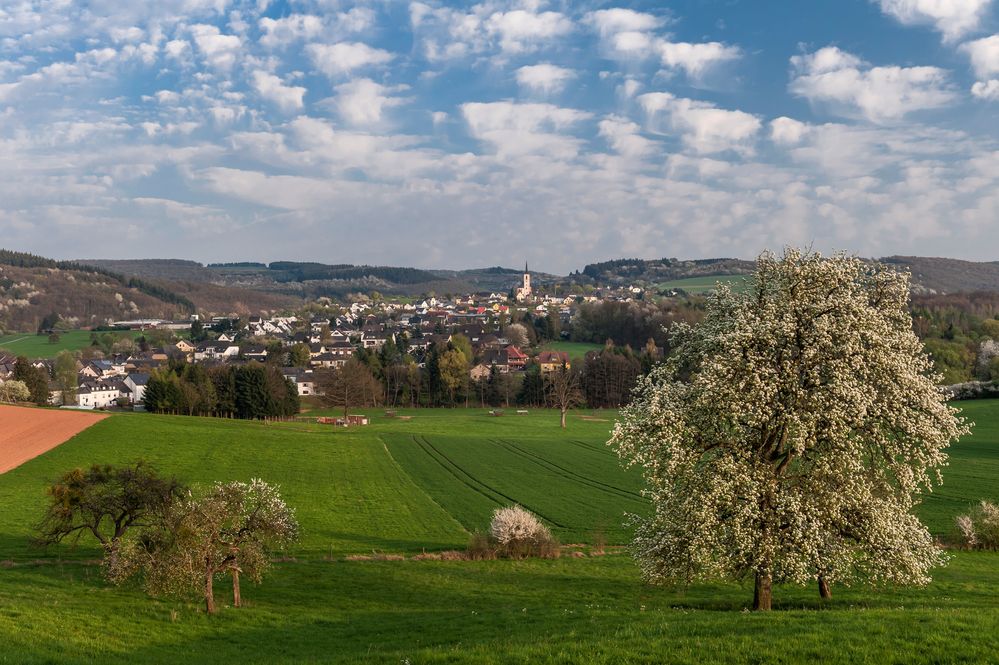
457 135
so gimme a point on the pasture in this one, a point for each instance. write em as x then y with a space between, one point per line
423 481
38 346
577 350
701 285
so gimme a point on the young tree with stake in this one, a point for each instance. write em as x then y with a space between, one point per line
789 436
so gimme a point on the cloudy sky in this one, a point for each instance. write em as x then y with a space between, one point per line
462 134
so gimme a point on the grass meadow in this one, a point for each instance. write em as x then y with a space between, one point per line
424 481
38 346
699 285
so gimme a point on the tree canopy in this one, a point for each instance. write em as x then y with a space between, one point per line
789 435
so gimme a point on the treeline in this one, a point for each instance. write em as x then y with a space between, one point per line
300 272
632 323
239 264
606 378
26 260
251 391
961 333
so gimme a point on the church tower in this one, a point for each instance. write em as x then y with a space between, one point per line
525 291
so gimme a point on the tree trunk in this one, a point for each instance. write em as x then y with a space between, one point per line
825 593
237 600
762 595
209 591
563 418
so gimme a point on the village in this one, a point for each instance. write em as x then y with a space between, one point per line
503 332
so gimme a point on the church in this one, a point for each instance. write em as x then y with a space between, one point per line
525 292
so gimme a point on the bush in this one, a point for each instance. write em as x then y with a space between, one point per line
14 391
517 534
979 530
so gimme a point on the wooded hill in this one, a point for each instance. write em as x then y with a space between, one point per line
85 295
302 279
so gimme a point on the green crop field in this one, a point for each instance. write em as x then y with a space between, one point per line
38 346
705 284
424 481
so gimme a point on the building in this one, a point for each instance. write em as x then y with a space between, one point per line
525 291
549 361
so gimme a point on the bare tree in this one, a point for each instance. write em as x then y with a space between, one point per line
353 384
562 387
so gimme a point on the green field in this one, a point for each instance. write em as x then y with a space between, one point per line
576 350
423 484
698 285
38 346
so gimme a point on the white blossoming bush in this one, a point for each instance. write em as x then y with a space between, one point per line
790 435
517 533
980 529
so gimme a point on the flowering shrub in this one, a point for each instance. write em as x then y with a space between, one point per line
979 530
516 533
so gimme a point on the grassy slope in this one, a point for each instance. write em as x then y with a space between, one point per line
705 284
38 346
565 611
352 495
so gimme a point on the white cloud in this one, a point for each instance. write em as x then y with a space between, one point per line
629 35
695 59
787 131
624 136
618 19
335 60
984 56
514 129
272 88
446 34
988 90
701 126
220 51
520 30
283 31
544 78
363 101
952 18
881 94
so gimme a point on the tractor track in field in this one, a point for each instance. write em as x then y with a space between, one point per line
472 482
567 473
592 449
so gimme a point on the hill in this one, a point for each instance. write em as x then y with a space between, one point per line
311 280
942 275
91 294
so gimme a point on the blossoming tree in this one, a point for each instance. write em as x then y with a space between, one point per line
230 530
791 433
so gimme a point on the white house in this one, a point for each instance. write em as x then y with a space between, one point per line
137 384
97 394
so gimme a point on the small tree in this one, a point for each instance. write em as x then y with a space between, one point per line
105 501
230 530
789 436
563 388
14 391
35 378
65 375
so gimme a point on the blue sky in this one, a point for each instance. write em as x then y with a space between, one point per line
458 135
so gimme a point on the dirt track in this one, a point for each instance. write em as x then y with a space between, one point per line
27 432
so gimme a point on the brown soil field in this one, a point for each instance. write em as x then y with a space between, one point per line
26 432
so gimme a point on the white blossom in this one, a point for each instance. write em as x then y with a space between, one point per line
790 435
